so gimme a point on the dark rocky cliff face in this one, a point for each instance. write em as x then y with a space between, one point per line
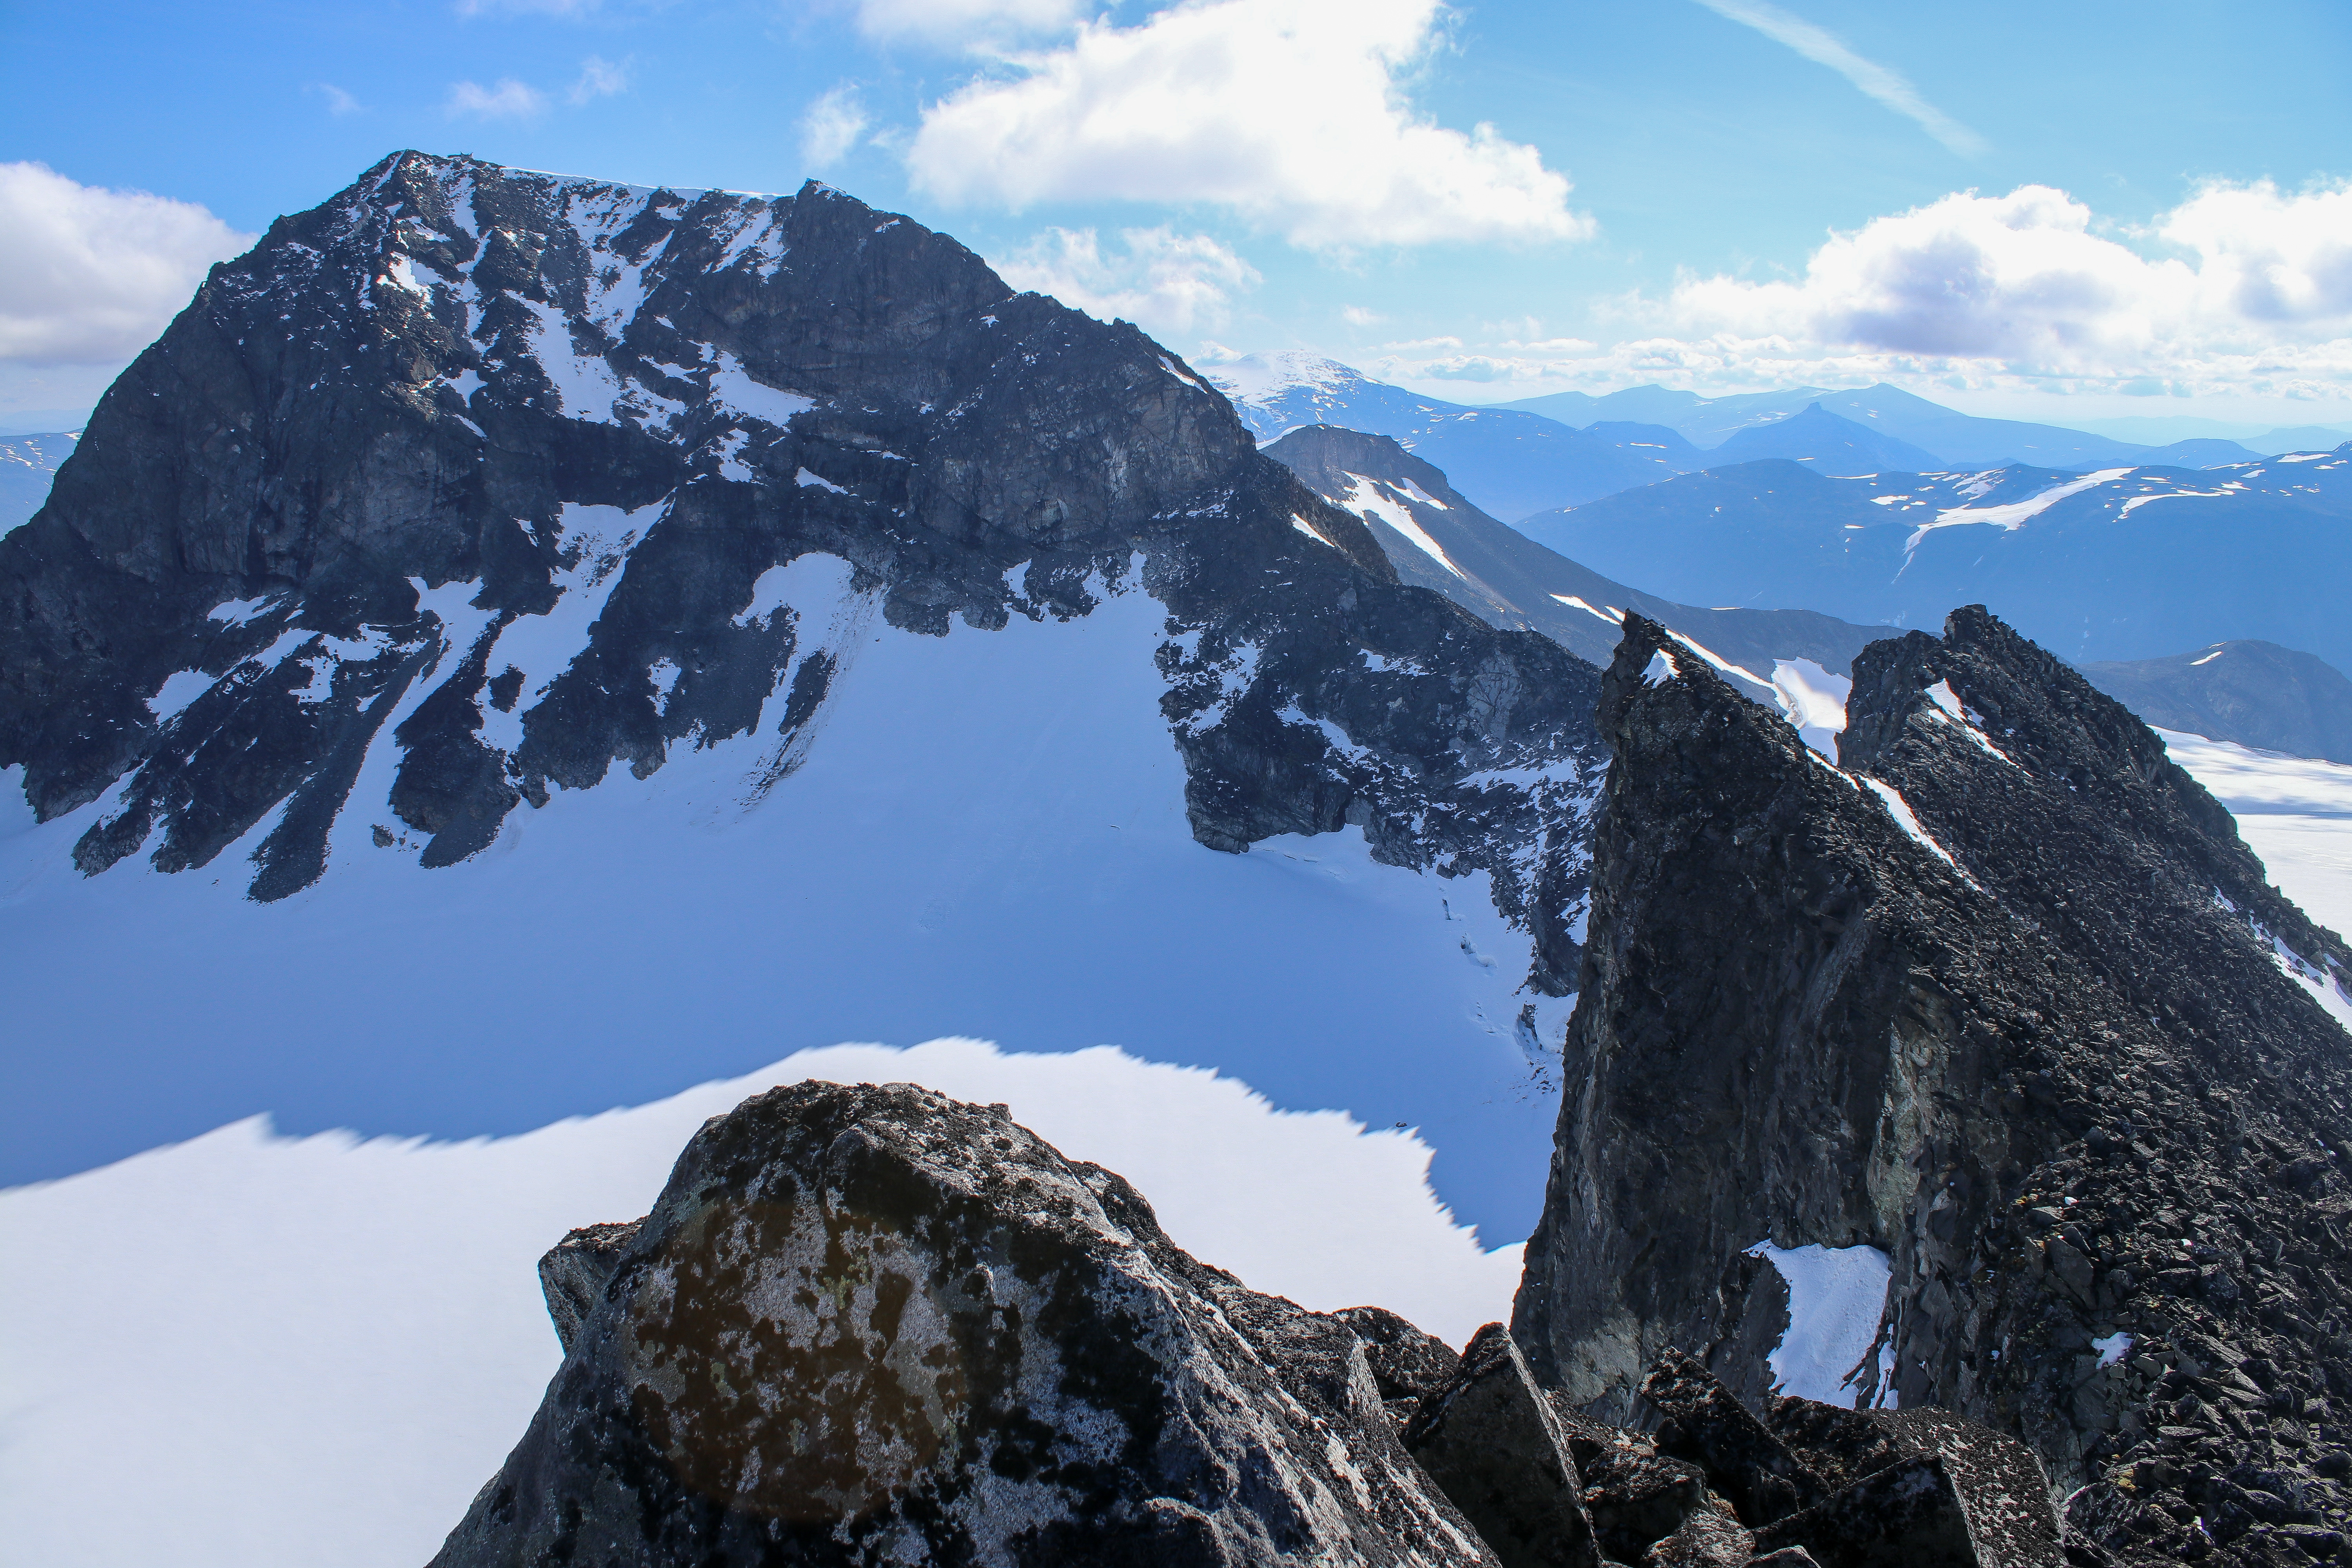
2053 1047
408 398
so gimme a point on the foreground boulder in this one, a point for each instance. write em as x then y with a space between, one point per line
1490 1439
868 1325
1851 1488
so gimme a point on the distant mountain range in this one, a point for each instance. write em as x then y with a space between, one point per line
27 464
1958 438
2252 692
2122 563
1434 536
1569 449
1509 463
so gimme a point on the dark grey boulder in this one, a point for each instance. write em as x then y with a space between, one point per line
1973 1495
1708 1537
867 1325
1488 1437
1700 1421
1905 1516
574 1273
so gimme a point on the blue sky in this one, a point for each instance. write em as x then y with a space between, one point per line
2159 222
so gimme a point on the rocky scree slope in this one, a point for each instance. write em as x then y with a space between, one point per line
2003 996
871 1324
428 420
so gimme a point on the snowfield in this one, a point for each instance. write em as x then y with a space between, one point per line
2293 811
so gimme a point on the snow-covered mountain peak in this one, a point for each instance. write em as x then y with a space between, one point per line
1259 380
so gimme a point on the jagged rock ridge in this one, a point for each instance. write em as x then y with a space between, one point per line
510 472
867 1325
2005 997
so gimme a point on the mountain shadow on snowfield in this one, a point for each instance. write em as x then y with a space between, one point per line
2004 996
424 434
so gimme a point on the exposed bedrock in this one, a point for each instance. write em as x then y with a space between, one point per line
867 1325
481 472
2004 997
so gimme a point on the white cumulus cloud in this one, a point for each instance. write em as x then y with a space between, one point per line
1163 281
1291 114
2025 279
832 125
89 275
510 99
2241 289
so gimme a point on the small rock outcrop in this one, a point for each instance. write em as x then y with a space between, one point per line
868 1325
1490 1439
574 1272
1999 994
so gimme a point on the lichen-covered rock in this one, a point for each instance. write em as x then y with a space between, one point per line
1489 1438
1406 1361
866 1325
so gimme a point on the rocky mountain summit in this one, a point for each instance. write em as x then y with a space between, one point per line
2000 994
523 478
868 1325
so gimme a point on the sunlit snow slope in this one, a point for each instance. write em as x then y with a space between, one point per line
988 837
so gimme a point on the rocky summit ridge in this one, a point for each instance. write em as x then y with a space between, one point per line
868 1324
1999 994
507 473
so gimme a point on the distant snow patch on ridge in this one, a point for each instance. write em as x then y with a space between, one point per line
1814 702
1837 1295
355 1334
732 386
1613 615
1722 667
180 687
1661 668
1365 496
1900 810
2014 515
1949 709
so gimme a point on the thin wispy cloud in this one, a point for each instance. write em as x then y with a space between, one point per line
599 78
1888 86
338 102
510 99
